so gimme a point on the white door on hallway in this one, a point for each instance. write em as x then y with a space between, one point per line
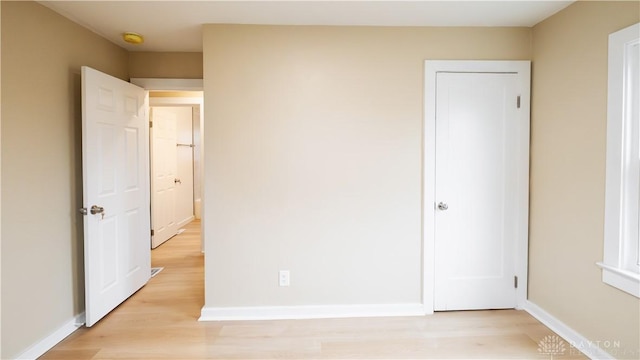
163 175
184 167
475 190
115 159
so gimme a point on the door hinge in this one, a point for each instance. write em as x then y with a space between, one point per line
152 232
151 123
515 282
518 102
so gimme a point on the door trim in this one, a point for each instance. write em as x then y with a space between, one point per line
432 67
169 84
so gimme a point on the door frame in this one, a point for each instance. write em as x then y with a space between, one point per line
432 67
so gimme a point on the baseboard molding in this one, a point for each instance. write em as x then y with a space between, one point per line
309 312
197 208
587 347
186 221
44 345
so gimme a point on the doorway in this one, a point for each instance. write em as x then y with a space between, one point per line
175 162
184 92
476 163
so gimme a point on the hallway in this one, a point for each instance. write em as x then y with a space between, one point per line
160 322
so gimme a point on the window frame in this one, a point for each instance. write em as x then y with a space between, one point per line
620 265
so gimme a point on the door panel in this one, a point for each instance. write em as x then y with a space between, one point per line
184 156
163 173
476 173
115 184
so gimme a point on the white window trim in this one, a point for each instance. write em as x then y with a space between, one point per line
621 202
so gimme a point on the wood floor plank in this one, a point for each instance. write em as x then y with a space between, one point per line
160 322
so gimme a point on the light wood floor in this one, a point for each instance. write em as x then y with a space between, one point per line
160 322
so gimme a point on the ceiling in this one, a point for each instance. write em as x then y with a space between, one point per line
177 25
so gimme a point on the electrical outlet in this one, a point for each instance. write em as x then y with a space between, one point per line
284 277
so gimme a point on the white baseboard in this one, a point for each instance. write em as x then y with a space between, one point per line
186 221
309 312
197 208
44 345
587 347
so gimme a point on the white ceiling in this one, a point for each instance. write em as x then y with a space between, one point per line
176 25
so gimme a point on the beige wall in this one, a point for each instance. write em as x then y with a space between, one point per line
568 174
313 162
42 269
165 65
313 158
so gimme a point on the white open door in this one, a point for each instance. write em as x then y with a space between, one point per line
115 159
163 175
184 167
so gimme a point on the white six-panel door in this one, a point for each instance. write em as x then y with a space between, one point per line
163 174
115 157
476 184
184 167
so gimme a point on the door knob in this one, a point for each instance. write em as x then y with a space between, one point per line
442 206
177 181
95 209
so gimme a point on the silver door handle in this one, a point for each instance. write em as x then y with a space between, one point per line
442 206
95 209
